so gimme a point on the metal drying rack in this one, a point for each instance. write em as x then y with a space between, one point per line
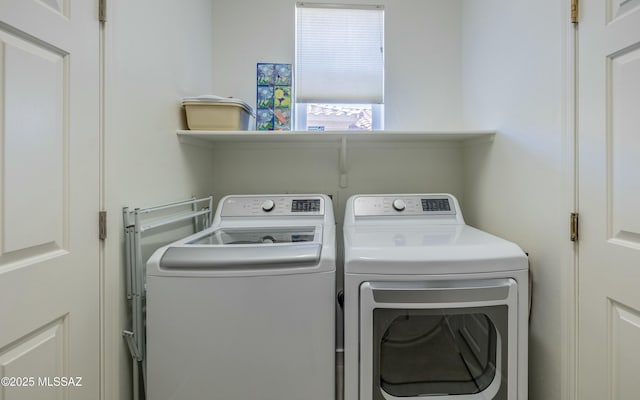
136 222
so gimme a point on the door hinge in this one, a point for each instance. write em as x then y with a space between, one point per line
102 225
574 11
574 227
102 10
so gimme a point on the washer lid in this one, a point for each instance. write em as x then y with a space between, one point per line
244 251
259 235
428 249
221 258
236 248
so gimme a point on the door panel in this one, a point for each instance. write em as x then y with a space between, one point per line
623 364
34 147
60 6
618 8
609 200
37 355
623 157
49 196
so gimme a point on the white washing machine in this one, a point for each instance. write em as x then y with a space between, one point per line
434 309
245 309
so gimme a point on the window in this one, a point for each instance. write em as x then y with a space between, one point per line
339 67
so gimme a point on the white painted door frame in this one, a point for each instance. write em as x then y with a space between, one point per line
570 272
112 345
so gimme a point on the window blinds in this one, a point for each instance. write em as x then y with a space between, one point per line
339 54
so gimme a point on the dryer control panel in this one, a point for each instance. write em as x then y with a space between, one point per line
255 206
410 205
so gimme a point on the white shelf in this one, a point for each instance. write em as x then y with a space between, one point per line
215 137
341 139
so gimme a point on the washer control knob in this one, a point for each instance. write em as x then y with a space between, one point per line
268 239
399 205
268 205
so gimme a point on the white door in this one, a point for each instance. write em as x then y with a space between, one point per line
49 188
609 200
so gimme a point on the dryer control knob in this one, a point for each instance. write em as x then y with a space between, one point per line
399 205
268 205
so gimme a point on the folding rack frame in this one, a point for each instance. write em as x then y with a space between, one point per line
136 223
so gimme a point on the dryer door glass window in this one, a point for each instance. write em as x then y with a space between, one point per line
435 352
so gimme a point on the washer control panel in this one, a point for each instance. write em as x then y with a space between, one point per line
252 206
397 205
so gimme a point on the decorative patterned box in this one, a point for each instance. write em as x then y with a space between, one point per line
273 98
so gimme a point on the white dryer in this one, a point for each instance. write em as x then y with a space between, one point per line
434 308
245 309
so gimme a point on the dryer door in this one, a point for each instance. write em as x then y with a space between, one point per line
438 339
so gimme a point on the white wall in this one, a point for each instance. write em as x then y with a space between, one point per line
156 53
519 187
422 57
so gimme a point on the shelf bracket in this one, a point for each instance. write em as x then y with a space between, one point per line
343 165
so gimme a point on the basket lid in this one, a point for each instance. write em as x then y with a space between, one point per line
213 99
